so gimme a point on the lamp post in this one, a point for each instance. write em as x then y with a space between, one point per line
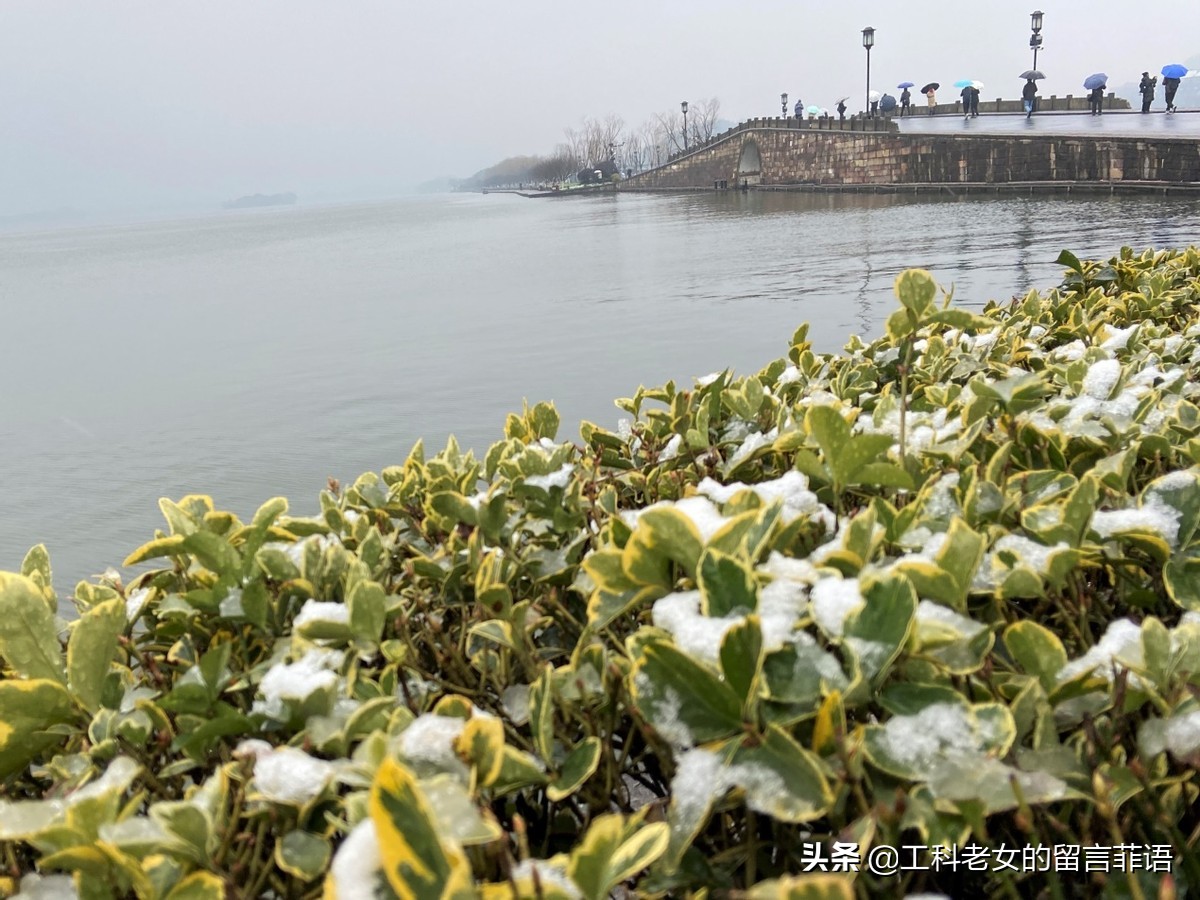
868 43
783 104
683 107
1035 39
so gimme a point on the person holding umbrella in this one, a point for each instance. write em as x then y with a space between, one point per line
930 92
1096 85
1171 76
1170 86
905 97
1029 95
841 108
1146 89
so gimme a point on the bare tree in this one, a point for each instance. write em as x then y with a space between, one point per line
565 163
670 129
655 141
557 167
576 145
600 137
596 140
635 155
702 119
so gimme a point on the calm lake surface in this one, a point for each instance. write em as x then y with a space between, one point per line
255 353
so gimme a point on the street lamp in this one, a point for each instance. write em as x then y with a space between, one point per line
683 106
783 104
868 43
1035 39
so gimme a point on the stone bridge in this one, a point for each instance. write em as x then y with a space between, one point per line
863 154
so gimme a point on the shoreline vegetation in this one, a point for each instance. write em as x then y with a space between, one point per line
938 590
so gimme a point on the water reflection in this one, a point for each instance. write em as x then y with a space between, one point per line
1023 239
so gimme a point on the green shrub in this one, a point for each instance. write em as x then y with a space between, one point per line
941 589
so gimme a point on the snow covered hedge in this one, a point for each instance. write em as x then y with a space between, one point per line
942 589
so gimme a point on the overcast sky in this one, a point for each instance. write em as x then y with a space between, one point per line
158 103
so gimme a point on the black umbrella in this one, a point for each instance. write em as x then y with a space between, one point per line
932 86
1031 75
887 103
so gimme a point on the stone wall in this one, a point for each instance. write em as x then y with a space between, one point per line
789 156
1053 103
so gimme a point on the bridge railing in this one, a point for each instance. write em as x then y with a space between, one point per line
880 124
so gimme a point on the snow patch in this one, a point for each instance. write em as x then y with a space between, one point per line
314 671
559 479
920 741
694 633
135 601
671 450
1120 647
664 715
429 739
288 775
47 887
791 488
1101 378
1179 734
547 874
329 611
833 599
357 866
930 613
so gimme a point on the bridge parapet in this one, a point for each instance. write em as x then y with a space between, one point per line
770 153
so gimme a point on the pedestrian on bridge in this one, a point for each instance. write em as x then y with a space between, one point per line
1029 95
1096 100
931 97
799 109
841 108
1146 89
905 99
1170 86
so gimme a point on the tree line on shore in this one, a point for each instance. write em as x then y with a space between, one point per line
595 140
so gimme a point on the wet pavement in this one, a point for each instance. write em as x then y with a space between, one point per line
1117 123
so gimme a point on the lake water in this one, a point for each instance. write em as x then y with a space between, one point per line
255 353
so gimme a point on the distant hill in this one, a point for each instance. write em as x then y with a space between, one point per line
1187 97
251 201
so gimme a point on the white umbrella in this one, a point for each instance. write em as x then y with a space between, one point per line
873 96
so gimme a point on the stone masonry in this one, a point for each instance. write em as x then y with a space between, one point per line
770 156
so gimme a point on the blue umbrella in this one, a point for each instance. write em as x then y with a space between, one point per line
1098 80
964 82
887 103
1174 70
905 84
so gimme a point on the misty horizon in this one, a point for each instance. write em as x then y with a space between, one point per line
111 108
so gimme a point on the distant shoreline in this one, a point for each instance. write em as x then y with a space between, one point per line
253 201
